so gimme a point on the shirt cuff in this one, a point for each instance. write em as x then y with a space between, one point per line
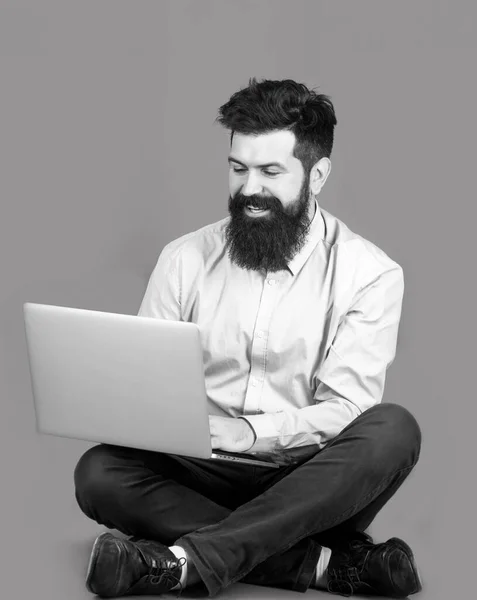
265 432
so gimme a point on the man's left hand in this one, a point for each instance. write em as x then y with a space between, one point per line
231 435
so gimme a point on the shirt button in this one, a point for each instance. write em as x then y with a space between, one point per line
260 334
271 281
254 382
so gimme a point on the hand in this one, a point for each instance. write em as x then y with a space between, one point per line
231 435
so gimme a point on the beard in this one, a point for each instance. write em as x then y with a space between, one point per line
267 242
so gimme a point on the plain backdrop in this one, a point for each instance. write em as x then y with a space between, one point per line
109 150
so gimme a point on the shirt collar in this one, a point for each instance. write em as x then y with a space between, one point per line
315 234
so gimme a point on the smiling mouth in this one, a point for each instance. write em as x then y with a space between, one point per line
253 209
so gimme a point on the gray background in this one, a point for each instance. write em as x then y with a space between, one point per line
108 150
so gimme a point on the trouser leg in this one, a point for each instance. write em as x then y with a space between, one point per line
157 496
294 568
368 460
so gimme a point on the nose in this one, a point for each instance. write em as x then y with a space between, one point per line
251 185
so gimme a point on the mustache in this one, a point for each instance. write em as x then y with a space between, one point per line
240 201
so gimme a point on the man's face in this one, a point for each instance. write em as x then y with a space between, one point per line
264 174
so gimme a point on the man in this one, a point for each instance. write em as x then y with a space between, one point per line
299 320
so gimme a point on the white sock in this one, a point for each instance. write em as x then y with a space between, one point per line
321 577
179 553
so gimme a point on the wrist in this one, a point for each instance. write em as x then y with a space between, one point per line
252 431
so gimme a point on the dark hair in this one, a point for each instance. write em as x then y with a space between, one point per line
268 106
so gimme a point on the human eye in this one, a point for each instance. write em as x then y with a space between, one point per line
271 173
238 170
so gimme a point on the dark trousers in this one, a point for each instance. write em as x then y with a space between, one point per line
254 524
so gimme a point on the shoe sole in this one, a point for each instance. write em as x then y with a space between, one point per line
407 550
93 559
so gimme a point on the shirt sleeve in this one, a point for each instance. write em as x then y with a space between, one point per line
162 296
351 378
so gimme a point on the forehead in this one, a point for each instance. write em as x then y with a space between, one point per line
276 146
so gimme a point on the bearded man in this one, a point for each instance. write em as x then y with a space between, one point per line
299 321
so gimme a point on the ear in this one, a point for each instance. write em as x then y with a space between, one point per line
319 174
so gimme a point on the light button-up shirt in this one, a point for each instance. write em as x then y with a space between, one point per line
299 353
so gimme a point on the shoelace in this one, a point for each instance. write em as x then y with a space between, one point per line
163 574
343 580
340 586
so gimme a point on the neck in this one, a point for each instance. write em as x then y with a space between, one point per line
312 208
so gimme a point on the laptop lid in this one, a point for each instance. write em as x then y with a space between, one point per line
118 379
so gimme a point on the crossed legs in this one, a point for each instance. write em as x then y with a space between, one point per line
254 524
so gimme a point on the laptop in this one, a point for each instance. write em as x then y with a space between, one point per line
124 380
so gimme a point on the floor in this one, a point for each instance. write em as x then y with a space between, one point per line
65 561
